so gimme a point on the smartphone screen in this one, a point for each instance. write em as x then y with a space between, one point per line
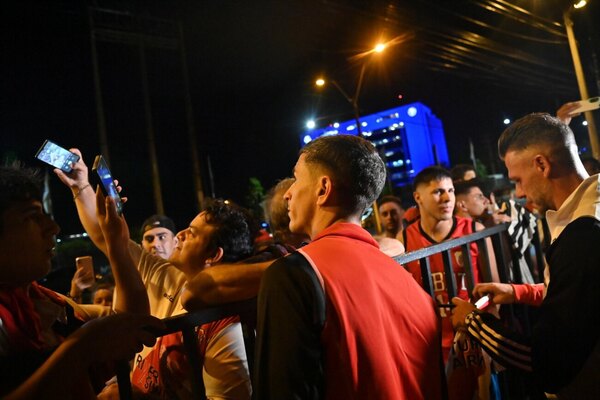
58 157
106 181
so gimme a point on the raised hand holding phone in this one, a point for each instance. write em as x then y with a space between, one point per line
593 103
106 182
57 156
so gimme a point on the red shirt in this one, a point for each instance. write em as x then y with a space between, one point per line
381 333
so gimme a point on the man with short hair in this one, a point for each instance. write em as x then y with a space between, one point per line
563 352
159 236
434 195
220 233
338 318
470 200
391 212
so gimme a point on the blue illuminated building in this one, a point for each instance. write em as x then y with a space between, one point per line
409 138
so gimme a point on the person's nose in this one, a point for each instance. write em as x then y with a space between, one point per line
50 226
181 236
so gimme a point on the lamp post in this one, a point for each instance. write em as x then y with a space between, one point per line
380 47
592 133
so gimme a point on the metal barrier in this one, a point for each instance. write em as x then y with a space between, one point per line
186 323
513 385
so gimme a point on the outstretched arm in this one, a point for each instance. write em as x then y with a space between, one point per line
83 195
223 284
117 337
131 292
565 112
85 201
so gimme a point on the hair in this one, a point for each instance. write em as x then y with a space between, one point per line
277 213
232 233
458 171
355 166
391 199
18 184
433 173
540 129
465 187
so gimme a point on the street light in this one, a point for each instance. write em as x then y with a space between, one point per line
592 133
353 100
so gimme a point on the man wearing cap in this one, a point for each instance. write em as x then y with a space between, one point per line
159 236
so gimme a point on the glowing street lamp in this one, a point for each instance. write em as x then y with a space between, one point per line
353 100
592 133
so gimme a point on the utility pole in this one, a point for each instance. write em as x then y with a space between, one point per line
589 116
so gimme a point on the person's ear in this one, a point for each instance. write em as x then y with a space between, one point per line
324 189
460 204
417 197
542 165
216 257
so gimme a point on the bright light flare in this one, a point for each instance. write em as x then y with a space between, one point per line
320 82
506 121
380 47
310 124
580 4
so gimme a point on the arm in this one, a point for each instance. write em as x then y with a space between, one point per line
79 351
565 112
85 201
130 289
291 315
505 347
223 283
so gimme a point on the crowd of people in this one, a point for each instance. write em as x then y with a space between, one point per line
337 317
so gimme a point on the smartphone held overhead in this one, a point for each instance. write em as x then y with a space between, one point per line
104 178
57 156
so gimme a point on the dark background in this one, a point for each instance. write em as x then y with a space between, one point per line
252 66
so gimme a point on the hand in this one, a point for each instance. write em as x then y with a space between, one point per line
500 218
460 312
78 177
82 279
114 227
110 392
112 338
500 293
565 112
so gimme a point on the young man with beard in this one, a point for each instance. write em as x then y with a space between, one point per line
338 318
563 352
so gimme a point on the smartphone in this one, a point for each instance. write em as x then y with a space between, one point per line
592 103
57 156
104 178
483 302
86 263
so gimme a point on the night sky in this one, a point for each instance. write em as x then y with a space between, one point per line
252 66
